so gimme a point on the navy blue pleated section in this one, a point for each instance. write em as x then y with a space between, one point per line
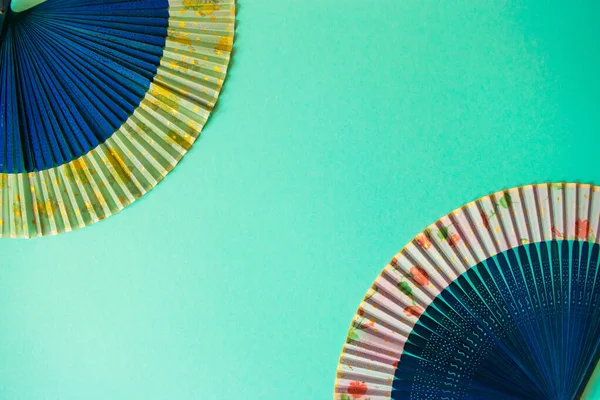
524 324
71 73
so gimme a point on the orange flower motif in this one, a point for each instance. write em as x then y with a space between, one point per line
419 275
484 219
582 227
413 311
556 232
453 239
357 389
367 325
423 241
445 234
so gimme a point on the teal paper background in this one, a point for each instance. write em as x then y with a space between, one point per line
344 129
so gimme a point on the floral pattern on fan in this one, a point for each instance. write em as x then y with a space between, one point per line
440 254
356 390
146 147
203 7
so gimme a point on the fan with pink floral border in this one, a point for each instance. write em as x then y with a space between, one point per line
500 299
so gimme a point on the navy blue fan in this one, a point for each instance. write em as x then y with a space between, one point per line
500 299
99 100
71 73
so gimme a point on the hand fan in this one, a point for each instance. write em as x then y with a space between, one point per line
499 299
99 100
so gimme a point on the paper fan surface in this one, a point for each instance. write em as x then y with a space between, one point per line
99 100
499 299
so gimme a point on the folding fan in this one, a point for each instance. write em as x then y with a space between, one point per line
99 100
499 299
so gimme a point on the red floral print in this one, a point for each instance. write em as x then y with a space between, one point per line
413 311
582 227
367 325
453 239
484 218
423 241
445 234
556 232
357 389
419 275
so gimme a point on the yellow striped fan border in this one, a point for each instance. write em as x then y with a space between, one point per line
146 147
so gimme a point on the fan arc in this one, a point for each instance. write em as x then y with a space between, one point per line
99 101
500 299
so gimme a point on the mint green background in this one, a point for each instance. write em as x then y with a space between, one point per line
344 129
22 5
